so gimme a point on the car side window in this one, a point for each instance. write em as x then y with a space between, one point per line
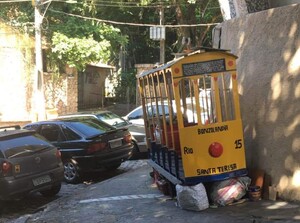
136 114
51 132
151 110
69 134
32 127
166 110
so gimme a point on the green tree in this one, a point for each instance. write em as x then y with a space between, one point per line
140 48
134 41
73 41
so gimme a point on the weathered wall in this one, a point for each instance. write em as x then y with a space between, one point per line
268 46
60 94
279 3
16 81
16 69
92 87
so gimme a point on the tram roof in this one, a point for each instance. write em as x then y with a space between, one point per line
170 63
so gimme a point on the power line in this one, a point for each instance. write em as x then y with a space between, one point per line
134 24
14 1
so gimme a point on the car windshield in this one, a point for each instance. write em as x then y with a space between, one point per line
89 126
112 119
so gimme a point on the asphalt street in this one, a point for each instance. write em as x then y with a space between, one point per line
133 197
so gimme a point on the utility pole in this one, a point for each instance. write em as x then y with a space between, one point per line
162 40
159 33
38 88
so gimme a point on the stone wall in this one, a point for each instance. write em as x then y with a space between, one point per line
267 44
61 94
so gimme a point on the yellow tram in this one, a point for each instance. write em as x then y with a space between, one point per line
192 118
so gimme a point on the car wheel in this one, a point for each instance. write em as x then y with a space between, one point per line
71 171
51 192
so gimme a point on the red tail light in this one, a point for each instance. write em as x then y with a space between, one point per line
6 168
127 138
96 147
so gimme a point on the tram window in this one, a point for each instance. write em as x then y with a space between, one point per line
226 97
192 90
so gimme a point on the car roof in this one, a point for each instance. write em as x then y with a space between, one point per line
66 120
63 119
87 113
13 132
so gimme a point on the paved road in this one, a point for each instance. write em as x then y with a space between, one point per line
133 197
36 202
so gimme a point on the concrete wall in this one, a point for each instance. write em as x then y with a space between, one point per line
92 87
279 3
268 46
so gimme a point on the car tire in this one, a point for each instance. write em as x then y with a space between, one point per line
51 192
71 171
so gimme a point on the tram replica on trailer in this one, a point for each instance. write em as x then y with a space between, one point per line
192 118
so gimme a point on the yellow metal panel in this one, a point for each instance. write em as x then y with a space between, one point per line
195 142
230 61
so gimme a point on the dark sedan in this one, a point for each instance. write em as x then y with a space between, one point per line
86 144
137 131
28 163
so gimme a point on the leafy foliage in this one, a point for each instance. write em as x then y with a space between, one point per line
74 41
126 87
77 52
